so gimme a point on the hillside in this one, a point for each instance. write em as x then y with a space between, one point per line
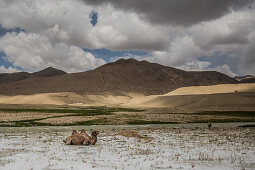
48 72
120 77
245 79
184 99
13 77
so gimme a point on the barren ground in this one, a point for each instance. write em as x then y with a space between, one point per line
149 148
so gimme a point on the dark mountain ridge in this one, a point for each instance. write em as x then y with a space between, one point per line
245 79
119 77
13 77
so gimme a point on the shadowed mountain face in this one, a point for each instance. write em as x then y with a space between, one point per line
246 79
120 77
48 72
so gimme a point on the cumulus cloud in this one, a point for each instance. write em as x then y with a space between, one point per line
33 52
225 69
115 30
232 36
7 70
176 33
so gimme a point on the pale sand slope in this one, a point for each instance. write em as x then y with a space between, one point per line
198 96
223 95
214 89
217 97
44 98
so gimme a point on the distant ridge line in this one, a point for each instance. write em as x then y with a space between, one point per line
120 77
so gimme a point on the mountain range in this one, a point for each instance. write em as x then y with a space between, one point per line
48 72
119 77
245 79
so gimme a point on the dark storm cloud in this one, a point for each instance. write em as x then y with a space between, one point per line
172 32
175 12
238 34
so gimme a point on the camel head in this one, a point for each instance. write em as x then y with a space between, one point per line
94 133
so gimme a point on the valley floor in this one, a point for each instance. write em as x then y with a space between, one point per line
27 117
148 148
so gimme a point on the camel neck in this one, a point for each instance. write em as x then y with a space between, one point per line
94 140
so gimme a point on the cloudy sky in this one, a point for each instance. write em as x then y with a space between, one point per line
79 35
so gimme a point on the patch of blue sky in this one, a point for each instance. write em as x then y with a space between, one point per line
93 17
3 30
3 61
219 59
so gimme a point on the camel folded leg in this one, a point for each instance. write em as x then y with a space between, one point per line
68 141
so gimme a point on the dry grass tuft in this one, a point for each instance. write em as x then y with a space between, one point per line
135 134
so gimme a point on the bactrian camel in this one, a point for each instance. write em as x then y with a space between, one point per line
81 139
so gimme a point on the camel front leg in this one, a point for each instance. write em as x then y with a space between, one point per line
68 141
86 142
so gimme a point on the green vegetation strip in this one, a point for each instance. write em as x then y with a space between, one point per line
33 123
90 111
220 113
228 113
239 116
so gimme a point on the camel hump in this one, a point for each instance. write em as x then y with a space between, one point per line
83 131
74 132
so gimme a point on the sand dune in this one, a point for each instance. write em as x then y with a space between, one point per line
222 96
214 89
44 98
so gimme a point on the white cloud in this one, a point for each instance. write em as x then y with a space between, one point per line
3 69
182 50
225 69
196 65
55 34
33 52
69 22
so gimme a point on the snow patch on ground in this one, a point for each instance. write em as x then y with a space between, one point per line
184 148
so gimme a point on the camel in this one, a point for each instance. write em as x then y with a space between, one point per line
81 139
209 124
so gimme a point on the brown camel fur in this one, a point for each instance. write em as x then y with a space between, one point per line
74 132
90 140
81 139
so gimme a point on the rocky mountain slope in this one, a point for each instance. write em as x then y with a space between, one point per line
119 77
245 79
13 77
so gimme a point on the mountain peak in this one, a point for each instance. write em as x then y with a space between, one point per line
129 61
48 72
123 64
